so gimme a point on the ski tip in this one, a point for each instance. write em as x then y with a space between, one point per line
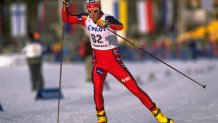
204 86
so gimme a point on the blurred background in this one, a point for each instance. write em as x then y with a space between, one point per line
170 29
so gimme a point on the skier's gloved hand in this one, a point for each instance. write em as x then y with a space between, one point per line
102 23
66 3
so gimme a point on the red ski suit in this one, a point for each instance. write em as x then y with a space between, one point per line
108 61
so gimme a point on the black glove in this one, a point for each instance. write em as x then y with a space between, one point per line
66 3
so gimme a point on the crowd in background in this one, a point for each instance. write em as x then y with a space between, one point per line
164 49
169 50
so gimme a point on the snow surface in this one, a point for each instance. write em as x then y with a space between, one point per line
178 97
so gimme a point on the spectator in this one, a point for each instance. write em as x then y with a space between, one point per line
34 51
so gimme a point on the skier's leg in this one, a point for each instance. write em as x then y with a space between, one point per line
98 78
129 82
120 72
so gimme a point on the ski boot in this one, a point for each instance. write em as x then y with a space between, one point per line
102 118
160 117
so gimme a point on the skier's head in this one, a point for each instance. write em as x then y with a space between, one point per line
34 36
94 9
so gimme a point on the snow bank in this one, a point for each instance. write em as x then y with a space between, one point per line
12 60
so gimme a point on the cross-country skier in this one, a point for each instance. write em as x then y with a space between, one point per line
106 58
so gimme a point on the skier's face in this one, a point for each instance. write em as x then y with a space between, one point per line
94 13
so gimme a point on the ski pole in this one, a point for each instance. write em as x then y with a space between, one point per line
204 86
60 76
65 3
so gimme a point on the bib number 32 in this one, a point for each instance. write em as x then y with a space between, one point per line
96 38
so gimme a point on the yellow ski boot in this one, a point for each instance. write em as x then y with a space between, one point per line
102 118
160 117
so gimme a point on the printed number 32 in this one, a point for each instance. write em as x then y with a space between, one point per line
96 38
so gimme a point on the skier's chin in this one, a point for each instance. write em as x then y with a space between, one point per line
94 19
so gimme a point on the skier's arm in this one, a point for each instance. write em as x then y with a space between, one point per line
75 19
113 23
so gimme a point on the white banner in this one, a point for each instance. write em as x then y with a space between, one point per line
142 16
18 19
